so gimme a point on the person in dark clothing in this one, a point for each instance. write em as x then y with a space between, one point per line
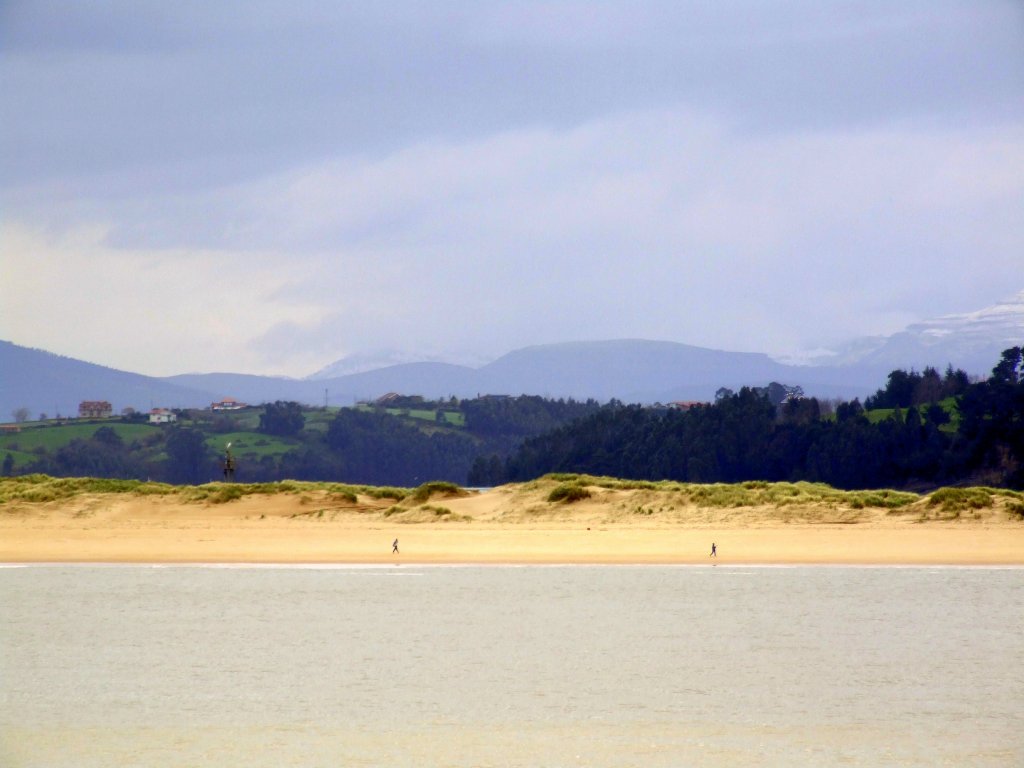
394 546
714 550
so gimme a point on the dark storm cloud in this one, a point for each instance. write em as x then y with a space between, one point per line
200 93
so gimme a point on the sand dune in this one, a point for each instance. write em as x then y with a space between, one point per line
616 523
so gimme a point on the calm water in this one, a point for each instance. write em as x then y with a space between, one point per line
533 666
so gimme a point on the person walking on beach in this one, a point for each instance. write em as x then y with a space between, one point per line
714 550
394 546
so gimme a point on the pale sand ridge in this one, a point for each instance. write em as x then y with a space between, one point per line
510 524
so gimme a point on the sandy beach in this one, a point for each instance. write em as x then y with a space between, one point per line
511 524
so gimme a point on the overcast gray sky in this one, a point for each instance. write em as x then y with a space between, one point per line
268 186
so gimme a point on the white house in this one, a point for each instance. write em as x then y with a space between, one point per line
161 416
227 404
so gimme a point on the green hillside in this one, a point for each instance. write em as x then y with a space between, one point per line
410 441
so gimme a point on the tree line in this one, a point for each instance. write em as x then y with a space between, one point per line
768 433
371 446
744 436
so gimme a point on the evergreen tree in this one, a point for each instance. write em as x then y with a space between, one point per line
188 460
282 418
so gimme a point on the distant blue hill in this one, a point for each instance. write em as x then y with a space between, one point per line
631 370
628 370
47 383
427 379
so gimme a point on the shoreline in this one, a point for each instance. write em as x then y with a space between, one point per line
506 526
338 566
358 544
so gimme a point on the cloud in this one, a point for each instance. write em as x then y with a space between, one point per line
268 191
158 313
123 94
645 224
661 224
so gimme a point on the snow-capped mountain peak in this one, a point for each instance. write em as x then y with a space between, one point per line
970 340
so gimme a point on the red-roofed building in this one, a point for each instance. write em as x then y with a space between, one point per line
95 409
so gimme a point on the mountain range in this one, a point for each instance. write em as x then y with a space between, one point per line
972 341
631 370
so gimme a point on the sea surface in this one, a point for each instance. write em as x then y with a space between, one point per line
106 666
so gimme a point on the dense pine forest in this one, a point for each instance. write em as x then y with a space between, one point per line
920 430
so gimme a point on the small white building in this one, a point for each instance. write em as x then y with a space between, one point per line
227 404
686 405
162 416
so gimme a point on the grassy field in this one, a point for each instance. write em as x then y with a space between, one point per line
20 458
321 417
949 405
451 418
251 444
247 420
52 436
144 439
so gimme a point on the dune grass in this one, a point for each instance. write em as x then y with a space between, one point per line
755 493
955 501
435 488
43 488
569 492
559 488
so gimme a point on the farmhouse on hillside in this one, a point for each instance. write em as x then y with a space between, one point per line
162 416
227 404
95 409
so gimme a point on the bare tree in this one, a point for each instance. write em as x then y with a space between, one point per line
20 414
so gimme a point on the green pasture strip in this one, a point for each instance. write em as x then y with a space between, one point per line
422 413
20 458
954 414
455 418
948 405
317 421
51 438
451 418
241 421
251 444
879 415
320 417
